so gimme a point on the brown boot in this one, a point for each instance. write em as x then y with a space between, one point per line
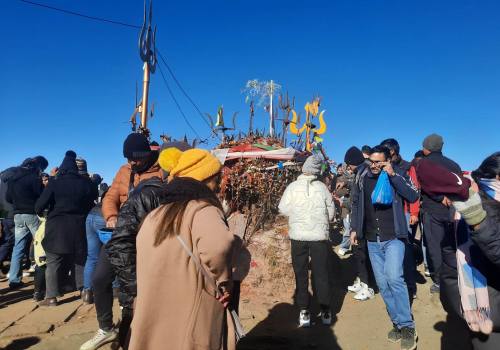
48 302
87 296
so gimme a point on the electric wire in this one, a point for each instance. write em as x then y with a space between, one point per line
177 103
177 82
81 14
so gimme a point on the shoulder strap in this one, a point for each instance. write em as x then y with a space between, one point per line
238 327
198 264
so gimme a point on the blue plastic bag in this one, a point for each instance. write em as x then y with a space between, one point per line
382 194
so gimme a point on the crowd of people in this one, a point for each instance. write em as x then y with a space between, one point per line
160 240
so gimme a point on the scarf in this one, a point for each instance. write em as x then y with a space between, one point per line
472 286
491 187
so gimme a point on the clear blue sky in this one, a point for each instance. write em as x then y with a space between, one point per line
400 69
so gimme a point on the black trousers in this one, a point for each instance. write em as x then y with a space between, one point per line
319 253
6 240
102 283
40 279
435 229
363 263
61 272
410 269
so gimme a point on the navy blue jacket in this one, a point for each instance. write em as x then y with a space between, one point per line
402 189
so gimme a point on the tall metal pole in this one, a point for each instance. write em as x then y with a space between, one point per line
145 97
271 120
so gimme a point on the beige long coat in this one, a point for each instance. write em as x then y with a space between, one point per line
175 308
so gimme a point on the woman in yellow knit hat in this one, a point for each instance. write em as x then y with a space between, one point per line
184 251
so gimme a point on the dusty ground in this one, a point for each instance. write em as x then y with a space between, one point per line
266 311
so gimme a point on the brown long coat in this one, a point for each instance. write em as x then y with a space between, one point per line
175 308
119 190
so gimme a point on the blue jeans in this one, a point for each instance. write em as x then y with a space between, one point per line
346 234
387 263
25 225
93 223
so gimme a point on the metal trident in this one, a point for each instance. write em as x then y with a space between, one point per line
147 52
147 40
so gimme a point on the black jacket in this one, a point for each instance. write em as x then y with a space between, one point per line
485 251
24 186
403 189
121 248
432 204
69 198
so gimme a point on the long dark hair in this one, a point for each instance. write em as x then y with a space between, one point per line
172 213
489 168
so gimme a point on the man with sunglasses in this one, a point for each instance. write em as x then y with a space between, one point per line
385 229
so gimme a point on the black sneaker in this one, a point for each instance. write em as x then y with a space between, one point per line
435 288
38 296
16 285
394 335
408 338
87 296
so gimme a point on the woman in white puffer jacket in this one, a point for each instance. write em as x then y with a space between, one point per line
309 207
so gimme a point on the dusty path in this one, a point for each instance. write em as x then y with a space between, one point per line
266 311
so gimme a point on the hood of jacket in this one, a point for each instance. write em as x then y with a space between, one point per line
309 207
307 180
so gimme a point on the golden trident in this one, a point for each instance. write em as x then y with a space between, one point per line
312 109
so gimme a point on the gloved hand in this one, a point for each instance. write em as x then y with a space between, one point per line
471 210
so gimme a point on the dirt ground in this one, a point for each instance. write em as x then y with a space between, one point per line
266 309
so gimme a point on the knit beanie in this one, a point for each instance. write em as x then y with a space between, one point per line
197 164
169 158
354 156
471 210
180 145
136 146
433 143
312 165
69 163
82 166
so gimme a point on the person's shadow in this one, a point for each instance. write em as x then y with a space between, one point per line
455 334
280 331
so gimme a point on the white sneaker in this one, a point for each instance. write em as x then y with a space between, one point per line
342 251
32 268
304 319
365 293
100 338
356 287
326 317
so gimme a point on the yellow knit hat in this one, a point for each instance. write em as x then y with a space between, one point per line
197 164
169 158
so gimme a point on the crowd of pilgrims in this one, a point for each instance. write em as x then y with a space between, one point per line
160 240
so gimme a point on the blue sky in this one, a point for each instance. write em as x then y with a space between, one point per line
400 69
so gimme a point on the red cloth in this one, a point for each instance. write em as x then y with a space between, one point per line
414 207
436 180
245 147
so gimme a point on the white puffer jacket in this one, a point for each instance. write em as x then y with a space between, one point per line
309 207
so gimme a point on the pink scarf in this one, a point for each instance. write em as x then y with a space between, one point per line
473 289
